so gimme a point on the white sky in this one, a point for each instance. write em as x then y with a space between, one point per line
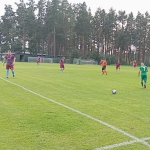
127 5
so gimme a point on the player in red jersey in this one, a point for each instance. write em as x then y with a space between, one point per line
10 61
117 66
62 66
134 63
38 60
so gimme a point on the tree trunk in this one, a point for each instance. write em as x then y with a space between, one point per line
54 46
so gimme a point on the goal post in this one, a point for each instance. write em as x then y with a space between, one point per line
85 61
32 59
47 60
43 59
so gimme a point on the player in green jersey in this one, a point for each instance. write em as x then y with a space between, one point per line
79 61
143 71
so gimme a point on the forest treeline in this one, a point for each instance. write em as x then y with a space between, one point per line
57 27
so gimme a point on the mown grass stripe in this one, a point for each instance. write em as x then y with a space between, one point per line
81 113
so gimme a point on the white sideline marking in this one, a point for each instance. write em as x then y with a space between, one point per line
146 138
83 114
120 144
116 145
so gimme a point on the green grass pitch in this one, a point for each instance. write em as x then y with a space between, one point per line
44 109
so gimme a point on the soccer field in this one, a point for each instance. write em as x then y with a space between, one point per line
44 109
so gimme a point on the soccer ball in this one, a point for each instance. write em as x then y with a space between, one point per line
114 91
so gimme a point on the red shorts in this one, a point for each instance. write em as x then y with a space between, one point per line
62 66
117 67
10 67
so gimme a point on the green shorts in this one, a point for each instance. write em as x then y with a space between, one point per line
144 77
79 62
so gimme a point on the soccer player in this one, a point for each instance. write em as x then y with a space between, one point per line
38 60
117 66
104 64
3 59
79 61
62 66
134 63
143 71
10 61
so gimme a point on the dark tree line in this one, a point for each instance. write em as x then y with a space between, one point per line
55 28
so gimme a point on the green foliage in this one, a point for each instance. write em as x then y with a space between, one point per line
123 62
97 57
57 27
110 59
76 53
17 46
4 48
